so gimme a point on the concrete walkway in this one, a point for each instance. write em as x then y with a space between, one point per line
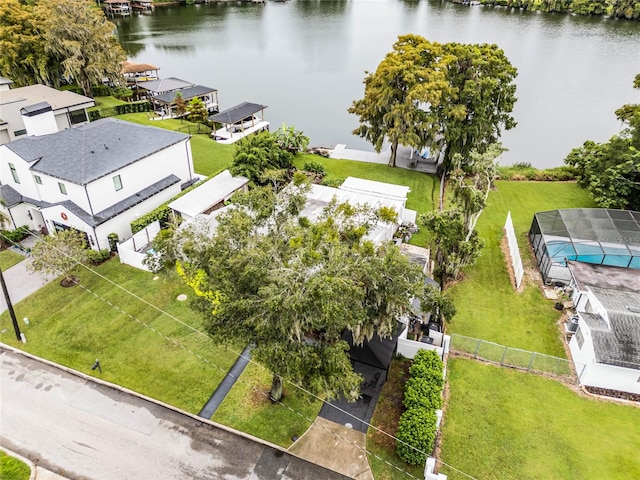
21 283
227 383
336 447
406 158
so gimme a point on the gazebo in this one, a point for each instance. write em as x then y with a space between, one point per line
139 72
239 121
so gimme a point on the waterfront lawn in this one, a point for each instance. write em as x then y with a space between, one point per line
106 102
502 423
9 258
381 447
13 469
72 327
488 306
209 156
276 423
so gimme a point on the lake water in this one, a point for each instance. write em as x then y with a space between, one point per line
306 60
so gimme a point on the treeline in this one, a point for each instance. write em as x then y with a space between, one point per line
629 9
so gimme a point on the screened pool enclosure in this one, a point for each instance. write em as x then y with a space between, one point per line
590 235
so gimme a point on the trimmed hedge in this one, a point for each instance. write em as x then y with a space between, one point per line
422 397
416 435
15 236
96 257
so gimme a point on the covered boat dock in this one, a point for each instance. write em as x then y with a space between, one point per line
238 122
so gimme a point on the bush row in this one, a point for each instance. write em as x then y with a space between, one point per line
422 397
525 171
15 236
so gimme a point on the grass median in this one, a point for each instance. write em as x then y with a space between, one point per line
9 258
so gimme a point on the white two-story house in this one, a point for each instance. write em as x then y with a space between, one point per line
96 178
21 109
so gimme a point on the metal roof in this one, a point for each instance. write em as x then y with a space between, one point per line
210 193
36 109
238 113
84 154
187 93
164 85
376 189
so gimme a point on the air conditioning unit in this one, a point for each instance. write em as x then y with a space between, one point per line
572 325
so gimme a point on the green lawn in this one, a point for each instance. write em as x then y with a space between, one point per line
506 424
273 422
106 102
72 327
9 258
13 469
488 307
209 156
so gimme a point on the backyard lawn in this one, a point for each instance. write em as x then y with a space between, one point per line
9 258
487 305
506 424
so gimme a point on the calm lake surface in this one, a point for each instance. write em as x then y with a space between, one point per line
306 60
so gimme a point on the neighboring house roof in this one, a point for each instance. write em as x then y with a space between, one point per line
164 85
210 193
83 154
58 99
238 113
187 93
376 189
616 342
377 352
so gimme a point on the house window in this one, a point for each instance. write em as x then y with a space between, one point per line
117 182
17 133
14 173
79 116
63 188
38 179
579 338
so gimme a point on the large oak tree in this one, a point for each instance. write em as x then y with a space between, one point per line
291 287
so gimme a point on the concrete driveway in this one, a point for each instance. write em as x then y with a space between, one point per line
21 283
83 429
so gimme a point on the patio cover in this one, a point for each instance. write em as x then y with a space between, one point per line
210 193
376 189
237 114
164 85
132 67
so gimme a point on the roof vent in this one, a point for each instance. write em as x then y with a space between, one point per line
634 309
92 151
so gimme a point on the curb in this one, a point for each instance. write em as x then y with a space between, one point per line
24 460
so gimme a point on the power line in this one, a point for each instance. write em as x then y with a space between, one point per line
250 360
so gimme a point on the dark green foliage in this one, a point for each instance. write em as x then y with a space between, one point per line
258 153
429 359
422 392
15 236
315 167
416 435
96 257
425 371
134 107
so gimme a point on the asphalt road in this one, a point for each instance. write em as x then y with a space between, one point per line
85 430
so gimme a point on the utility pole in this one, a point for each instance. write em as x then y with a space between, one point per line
10 307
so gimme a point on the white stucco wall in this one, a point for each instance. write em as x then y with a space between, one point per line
41 124
173 160
27 186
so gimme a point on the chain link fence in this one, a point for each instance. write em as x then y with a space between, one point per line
516 358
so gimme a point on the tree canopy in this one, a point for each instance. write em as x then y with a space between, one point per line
48 40
258 153
59 254
424 92
292 287
610 171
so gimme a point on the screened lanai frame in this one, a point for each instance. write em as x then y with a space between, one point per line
592 235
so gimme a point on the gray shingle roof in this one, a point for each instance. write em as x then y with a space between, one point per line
238 113
10 196
187 93
83 154
620 344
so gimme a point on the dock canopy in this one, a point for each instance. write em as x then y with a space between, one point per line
132 67
238 113
187 93
157 87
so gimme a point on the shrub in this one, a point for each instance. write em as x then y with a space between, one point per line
315 166
96 257
334 182
416 435
420 392
135 107
15 236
